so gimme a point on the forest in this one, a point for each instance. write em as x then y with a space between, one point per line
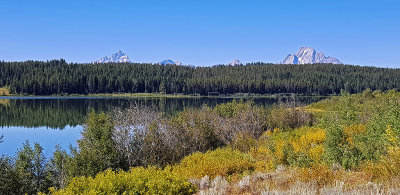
347 144
57 77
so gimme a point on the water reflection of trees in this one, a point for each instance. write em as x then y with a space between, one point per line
58 113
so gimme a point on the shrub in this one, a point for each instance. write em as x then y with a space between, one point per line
194 130
385 121
140 136
220 162
238 119
388 167
288 117
344 145
357 125
138 180
57 167
351 132
243 142
230 109
264 159
96 148
299 147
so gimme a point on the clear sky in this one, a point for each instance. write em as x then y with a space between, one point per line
202 32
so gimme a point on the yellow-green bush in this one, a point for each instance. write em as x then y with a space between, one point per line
391 137
301 146
219 162
387 168
138 180
311 144
264 159
351 132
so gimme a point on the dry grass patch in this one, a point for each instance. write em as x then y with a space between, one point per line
4 91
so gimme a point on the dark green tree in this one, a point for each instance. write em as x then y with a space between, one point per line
96 149
30 165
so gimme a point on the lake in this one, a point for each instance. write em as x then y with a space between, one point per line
58 120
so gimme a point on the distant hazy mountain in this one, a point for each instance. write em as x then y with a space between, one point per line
307 55
235 62
118 57
166 62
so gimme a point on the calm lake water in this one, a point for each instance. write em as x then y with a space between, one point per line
58 120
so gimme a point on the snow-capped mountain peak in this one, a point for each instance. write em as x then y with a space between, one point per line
308 55
235 62
170 62
118 57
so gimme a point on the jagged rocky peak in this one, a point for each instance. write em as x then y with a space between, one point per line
308 55
235 62
291 59
118 57
170 62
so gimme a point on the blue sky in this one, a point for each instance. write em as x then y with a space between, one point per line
202 32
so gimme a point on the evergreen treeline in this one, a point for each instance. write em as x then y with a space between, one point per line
59 77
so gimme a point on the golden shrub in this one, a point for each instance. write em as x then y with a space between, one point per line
319 173
220 162
138 180
316 152
264 159
264 166
306 143
309 139
354 129
279 151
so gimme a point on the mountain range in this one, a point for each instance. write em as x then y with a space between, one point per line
308 55
305 55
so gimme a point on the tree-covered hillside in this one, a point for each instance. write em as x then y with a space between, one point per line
59 77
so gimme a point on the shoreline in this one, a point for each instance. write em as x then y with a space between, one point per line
156 95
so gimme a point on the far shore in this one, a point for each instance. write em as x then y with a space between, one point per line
162 95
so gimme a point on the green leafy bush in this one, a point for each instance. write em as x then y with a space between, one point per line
96 147
357 124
